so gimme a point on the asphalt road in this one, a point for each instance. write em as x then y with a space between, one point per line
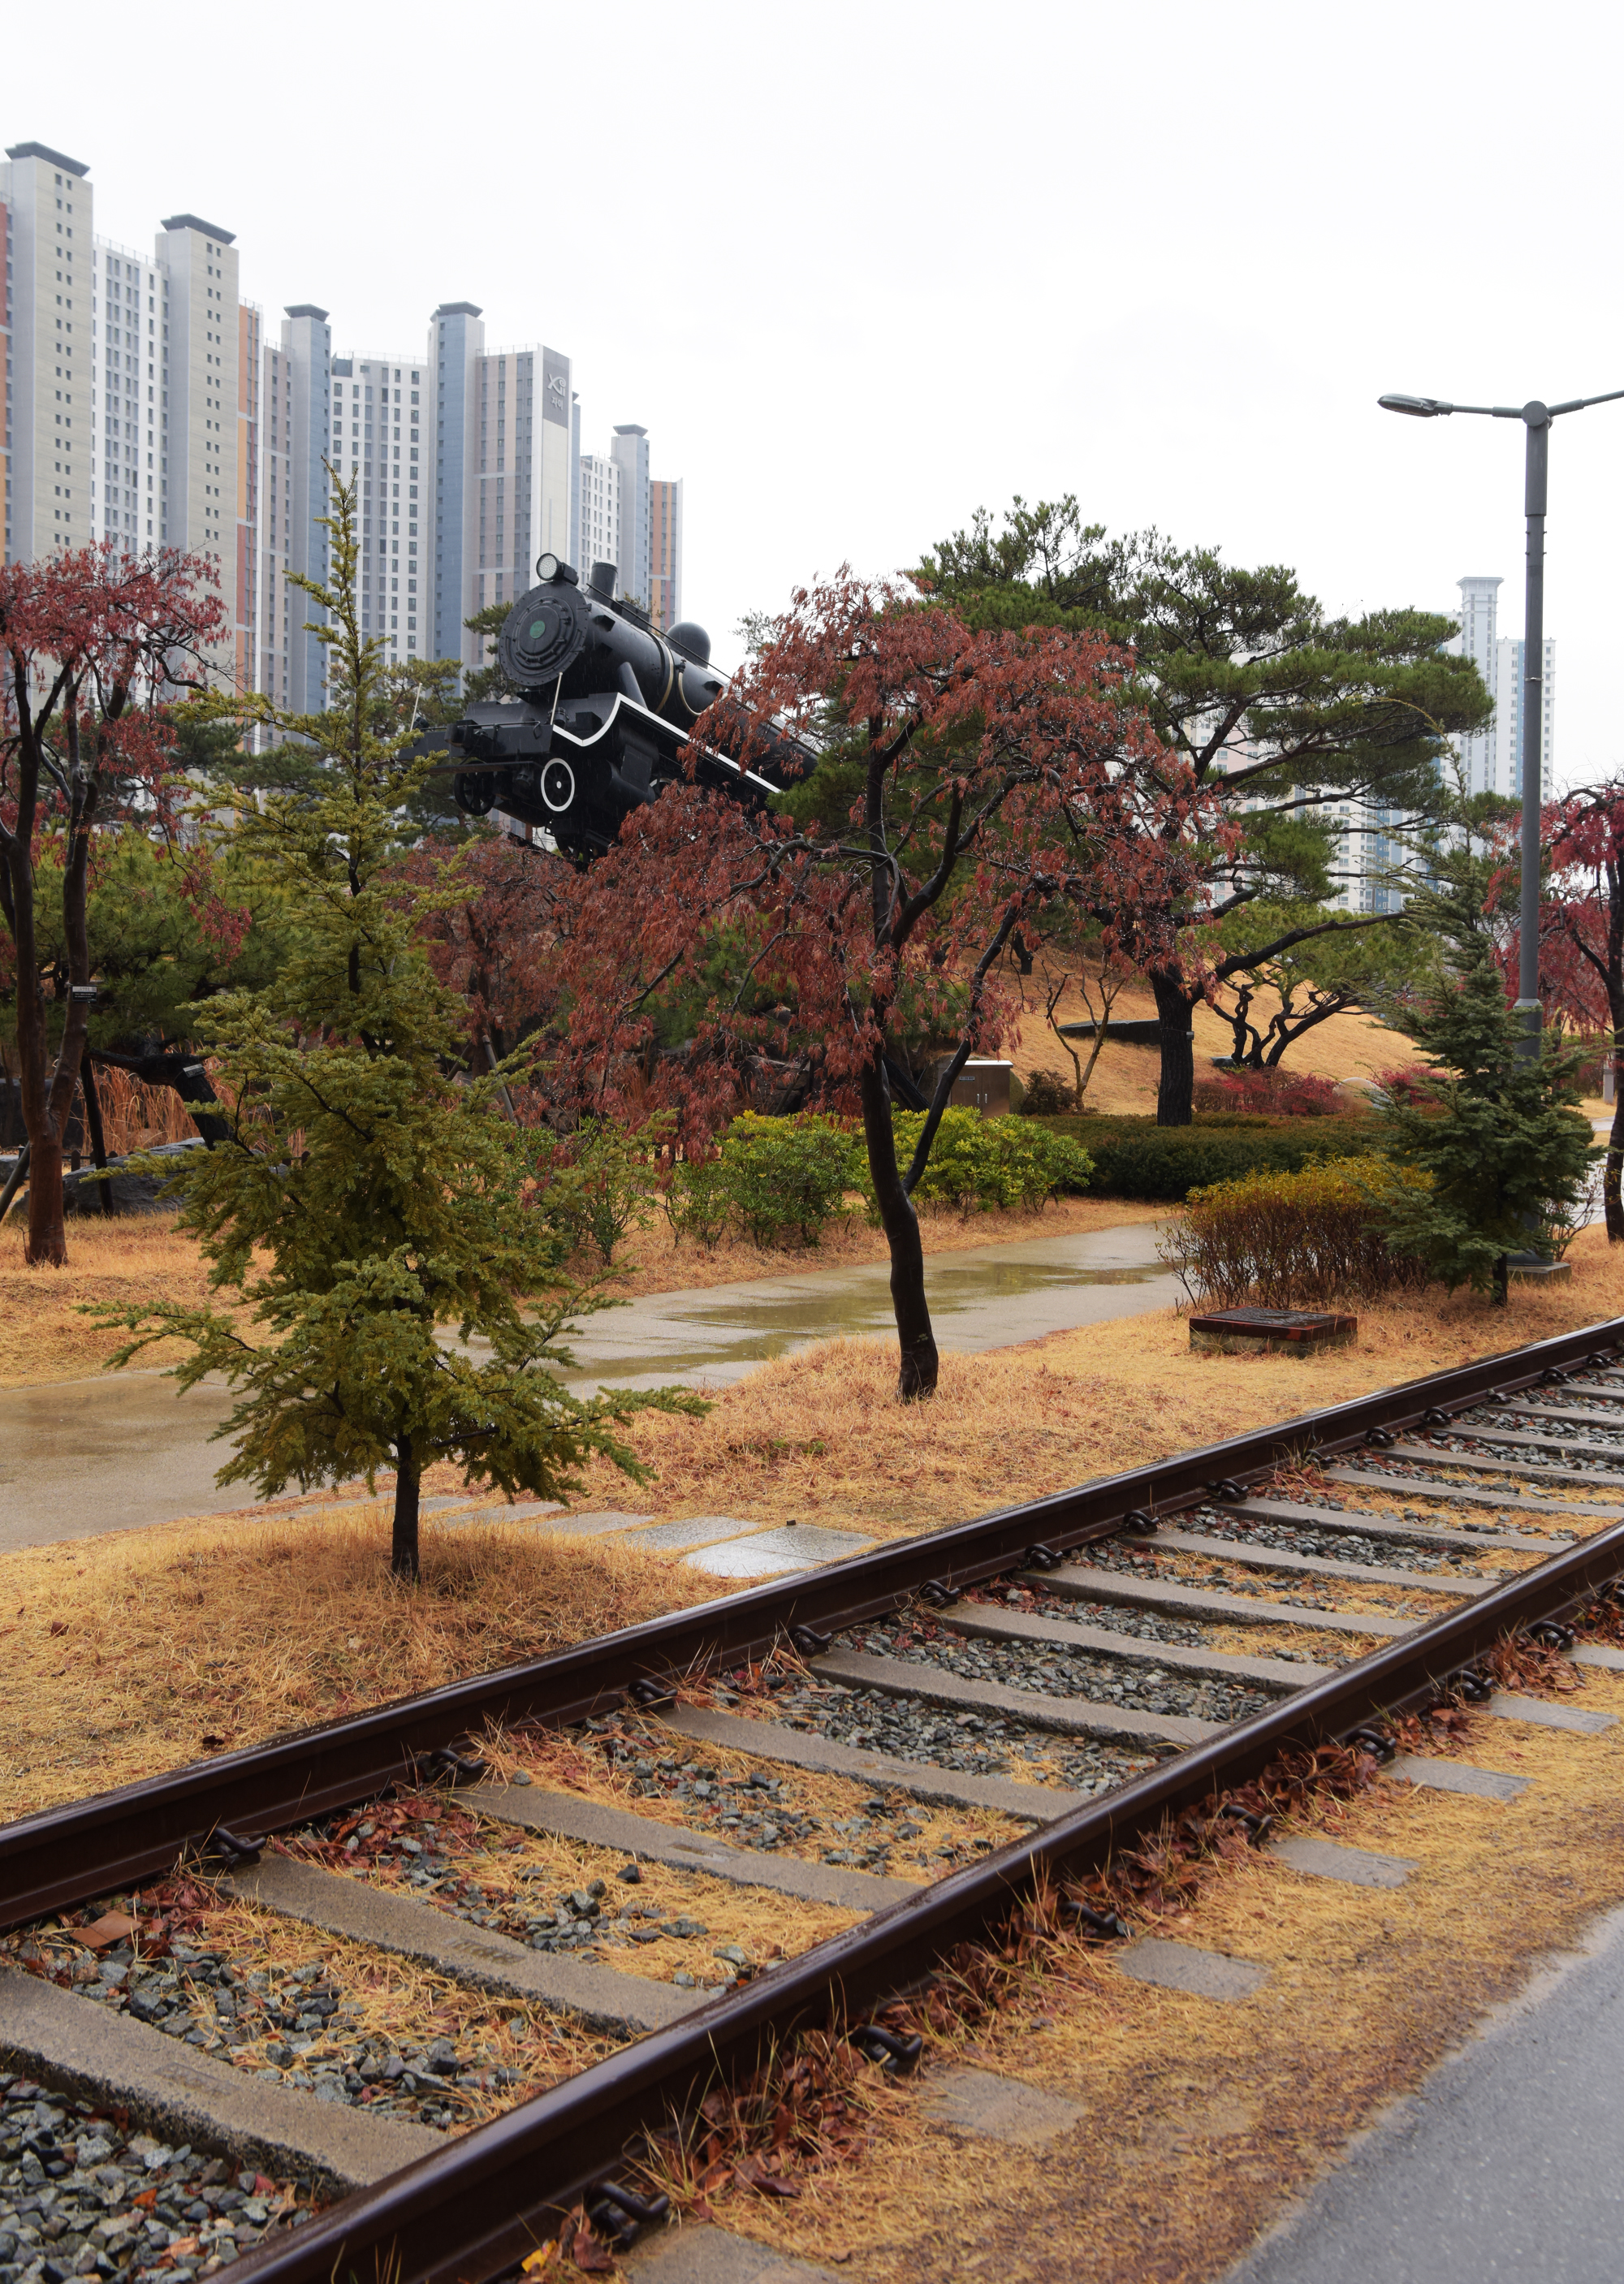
1506 2167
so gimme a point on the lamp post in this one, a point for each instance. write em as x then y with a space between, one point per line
1537 419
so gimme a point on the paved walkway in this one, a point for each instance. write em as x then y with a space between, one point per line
123 1449
1505 2166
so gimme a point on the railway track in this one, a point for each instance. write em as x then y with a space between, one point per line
236 1967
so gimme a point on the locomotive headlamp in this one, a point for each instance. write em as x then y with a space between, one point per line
547 567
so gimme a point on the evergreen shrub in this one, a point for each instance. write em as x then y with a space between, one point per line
976 1163
1136 1158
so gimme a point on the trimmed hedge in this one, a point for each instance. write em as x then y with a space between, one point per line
1136 1158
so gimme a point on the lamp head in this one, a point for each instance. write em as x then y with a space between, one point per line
1419 408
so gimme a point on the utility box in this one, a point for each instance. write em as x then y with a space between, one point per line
983 1085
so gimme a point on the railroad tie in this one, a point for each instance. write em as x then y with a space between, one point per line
1318 1566
803 1748
987 1621
566 1816
1072 1717
1356 1523
1178 1600
91 2054
1418 1487
339 1904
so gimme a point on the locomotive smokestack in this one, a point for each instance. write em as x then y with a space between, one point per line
602 581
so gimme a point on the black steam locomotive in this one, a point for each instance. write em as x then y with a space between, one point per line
606 702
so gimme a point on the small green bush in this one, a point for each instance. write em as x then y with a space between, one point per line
1280 1240
698 1201
976 1163
789 1174
1136 1158
600 1185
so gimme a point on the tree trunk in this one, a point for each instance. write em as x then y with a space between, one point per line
1612 1202
1502 1283
403 1550
1174 1004
919 1363
47 1244
98 1140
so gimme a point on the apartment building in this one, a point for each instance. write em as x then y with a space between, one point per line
50 267
665 551
382 407
1492 762
295 406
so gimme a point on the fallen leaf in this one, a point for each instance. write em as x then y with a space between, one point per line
147 2199
538 2263
59 1625
112 1926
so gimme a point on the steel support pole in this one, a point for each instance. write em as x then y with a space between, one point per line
1537 421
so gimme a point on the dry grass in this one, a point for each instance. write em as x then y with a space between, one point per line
1202 2121
141 1650
131 1260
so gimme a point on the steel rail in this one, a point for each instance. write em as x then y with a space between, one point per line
72 1854
473 2208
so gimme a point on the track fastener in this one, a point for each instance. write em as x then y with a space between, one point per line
1380 1438
234 1846
1257 1827
1108 1925
647 1692
810 1642
1227 1490
1374 1742
1550 1633
1141 1520
897 2055
1475 1687
1435 1418
936 1594
619 2215
1043 1557
447 1766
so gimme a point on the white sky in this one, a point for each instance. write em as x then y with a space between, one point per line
862 268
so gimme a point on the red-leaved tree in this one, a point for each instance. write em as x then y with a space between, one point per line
966 780
1582 940
92 643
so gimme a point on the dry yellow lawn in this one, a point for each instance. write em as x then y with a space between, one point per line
125 1654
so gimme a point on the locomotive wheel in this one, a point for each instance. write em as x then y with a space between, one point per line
558 787
473 791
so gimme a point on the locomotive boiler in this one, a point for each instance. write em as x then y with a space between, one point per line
605 703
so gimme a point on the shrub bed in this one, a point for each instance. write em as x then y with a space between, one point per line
1136 1158
1277 1241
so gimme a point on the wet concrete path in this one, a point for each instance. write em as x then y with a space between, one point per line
123 1449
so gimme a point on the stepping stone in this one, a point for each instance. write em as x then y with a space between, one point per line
1003 2108
531 1511
1545 1714
698 2252
693 1530
802 1547
1327 1859
1181 1966
1456 1776
803 1748
595 1526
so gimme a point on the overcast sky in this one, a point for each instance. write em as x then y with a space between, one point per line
862 268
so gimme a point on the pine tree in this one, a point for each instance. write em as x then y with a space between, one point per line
370 1193
1500 1142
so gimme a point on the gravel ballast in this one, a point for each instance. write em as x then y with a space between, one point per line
69 2181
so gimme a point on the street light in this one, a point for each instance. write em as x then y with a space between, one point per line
1537 419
